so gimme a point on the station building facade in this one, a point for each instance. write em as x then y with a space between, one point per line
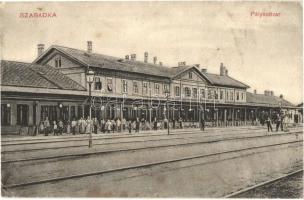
54 85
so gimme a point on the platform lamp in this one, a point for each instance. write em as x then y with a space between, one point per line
167 93
60 111
90 78
252 117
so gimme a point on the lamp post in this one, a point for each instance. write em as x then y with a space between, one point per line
167 92
252 120
90 79
60 111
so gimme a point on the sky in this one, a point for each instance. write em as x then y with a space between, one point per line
262 52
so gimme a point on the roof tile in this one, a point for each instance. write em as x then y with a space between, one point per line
32 75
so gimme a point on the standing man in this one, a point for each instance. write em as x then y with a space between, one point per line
137 123
95 124
282 120
202 121
173 123
180 123
203 124
278 122
130 126
73 125
123 122
60 127
165 123
268 122
155 124
118 124
46 126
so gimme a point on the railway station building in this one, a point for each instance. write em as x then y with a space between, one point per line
55 85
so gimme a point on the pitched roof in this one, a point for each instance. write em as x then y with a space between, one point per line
115 63
225 81
267 100
110 62
32 75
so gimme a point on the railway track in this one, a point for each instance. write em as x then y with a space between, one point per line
251 150
237 193
65 139
180 136
145 147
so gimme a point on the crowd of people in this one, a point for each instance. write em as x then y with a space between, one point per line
88 125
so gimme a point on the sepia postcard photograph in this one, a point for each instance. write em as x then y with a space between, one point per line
152 99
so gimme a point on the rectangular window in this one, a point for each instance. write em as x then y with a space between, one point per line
124 86
22 114
210 94
166 88
187 92
58 62
145 87
6 114
203 93
64 113
156 88
215 94
190 75
221 94
177 91
135 87
73 112
80 112
194 91
237 96
98 84
231 96
227 94
242 96
110 84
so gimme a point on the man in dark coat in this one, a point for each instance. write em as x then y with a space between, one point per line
203 124
268 122
137 123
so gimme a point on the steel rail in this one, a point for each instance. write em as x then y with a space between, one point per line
138 166
68 156
261 184
196 135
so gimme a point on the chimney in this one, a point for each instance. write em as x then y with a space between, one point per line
281 96
197 66
222 70
133 57
181 63
254 91
146 57
127 57
89 46
160 63
204 70
40 49
267 93
155 60
271 93
226 72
